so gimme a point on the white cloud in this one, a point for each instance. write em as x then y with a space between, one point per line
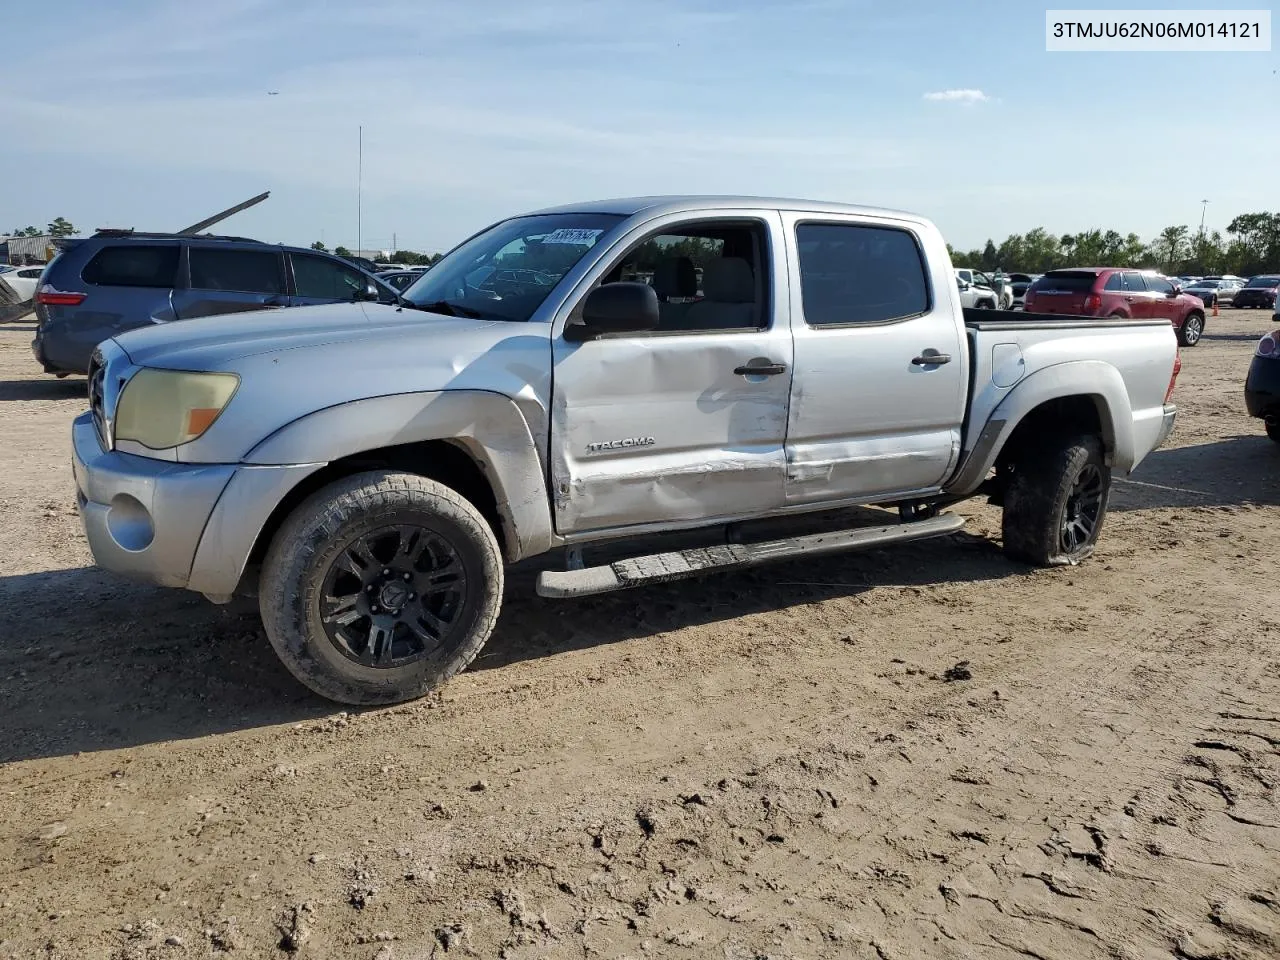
957 96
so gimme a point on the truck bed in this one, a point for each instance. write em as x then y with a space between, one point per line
977 319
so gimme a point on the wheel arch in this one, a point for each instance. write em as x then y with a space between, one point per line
472 437
446 461
1084 396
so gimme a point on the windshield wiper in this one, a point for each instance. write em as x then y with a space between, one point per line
445 306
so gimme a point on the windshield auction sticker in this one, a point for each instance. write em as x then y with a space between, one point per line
577 235
1158 31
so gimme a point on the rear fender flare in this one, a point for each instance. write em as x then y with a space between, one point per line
1095 379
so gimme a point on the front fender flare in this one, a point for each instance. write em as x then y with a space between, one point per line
489 426
1099 381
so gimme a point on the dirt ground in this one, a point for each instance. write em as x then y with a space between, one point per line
769 764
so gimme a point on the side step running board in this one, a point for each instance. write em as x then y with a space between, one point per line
637 571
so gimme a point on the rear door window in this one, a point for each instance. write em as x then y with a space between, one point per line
1133 283
241 271
1113 282
133 265
323 279
851 273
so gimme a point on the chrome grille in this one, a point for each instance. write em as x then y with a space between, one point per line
97 400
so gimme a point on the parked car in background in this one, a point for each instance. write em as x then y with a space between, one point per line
1262 387
1230 277
1018 284
973 295
1213 291
1122 293
1186 279
1258 291
117 280
400 279
999 287
22 281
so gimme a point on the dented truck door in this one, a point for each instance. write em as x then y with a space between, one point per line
879 398
686 422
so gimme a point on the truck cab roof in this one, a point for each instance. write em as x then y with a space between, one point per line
676 203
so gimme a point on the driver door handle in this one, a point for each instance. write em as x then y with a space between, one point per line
762 370
931 359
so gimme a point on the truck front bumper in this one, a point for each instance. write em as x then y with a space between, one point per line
174 524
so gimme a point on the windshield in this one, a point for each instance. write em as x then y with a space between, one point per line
507 271
1264 282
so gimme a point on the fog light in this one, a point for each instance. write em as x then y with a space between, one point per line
129 523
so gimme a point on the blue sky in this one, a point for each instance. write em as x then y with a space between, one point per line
154 114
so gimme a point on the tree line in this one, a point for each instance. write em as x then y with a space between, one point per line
1251 246
58 227
407 257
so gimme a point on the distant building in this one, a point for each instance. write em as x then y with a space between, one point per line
20 250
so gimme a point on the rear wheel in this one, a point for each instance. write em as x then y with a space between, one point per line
1192 330
380 587
1273 429
1055 501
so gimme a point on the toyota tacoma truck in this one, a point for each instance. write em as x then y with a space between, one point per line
616 393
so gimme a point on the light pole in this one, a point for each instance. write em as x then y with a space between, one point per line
1204 205
360 191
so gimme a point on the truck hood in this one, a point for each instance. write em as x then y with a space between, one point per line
295 361
207 343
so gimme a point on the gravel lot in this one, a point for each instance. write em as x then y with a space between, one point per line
769 764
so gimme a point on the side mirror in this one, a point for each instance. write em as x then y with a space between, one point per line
1175 291
624 307
963 284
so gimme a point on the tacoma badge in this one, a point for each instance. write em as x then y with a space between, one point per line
619 444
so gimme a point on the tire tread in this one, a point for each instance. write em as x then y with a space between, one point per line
316 522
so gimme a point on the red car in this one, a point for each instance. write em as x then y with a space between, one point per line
1116 292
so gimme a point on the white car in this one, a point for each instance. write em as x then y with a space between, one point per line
973 293
22 281
997 284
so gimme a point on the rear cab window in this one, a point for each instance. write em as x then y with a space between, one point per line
133 265
855 274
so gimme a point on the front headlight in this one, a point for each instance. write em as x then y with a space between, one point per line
164 408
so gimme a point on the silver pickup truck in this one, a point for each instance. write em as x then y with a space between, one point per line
617 392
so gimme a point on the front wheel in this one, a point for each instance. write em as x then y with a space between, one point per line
1191 331
1056 501
380 587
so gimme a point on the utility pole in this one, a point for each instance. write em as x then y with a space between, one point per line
360 192
1204 205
